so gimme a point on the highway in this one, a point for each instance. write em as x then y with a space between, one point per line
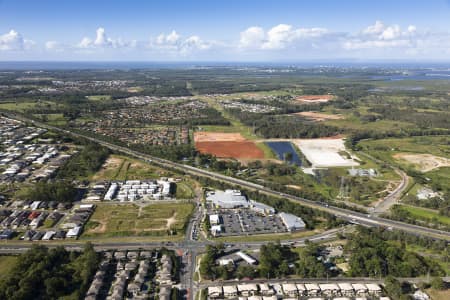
345 214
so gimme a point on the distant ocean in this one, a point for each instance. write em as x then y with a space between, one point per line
432 70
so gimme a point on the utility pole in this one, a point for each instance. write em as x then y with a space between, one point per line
342 190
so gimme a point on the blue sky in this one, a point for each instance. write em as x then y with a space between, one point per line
224 30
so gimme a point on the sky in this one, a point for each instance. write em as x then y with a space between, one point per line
224 30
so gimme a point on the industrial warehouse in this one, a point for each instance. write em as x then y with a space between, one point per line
231 213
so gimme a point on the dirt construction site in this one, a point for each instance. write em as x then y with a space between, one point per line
424 162
314 98
318 117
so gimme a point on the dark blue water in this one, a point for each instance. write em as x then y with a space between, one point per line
416 75
280 148
423 69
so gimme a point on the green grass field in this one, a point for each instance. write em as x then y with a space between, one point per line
6 264
268 153
236 125
184 191
114 220
99 97
266 237
53 119
424 213
351 123
436 145
124 168
17 106
21 106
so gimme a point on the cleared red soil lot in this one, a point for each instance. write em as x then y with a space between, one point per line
227 149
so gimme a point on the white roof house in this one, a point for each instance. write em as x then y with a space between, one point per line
74 232
278 289
301 288
290 289
229 291
215 291
360 289
329 288
270 298
247 289
292 223
266 289
48 235
346 289
312 289
373 288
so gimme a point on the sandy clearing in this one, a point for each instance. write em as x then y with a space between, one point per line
101 228
113 162
314 98
316 116
424 162
172 220
206 136
323 153
295 187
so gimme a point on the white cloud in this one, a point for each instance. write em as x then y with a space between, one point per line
278 37
54 46
381 36
378 40
175 43
377 28
412 29
252 37
85 43
103 41
13 41
173 37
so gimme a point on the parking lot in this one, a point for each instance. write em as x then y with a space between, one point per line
247 222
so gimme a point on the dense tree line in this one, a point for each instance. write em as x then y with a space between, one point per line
356 136
371 255
43 273
274 126
274 260
170 152
411 115
87 161
57 191
208 268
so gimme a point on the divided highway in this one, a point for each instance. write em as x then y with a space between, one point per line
346 214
